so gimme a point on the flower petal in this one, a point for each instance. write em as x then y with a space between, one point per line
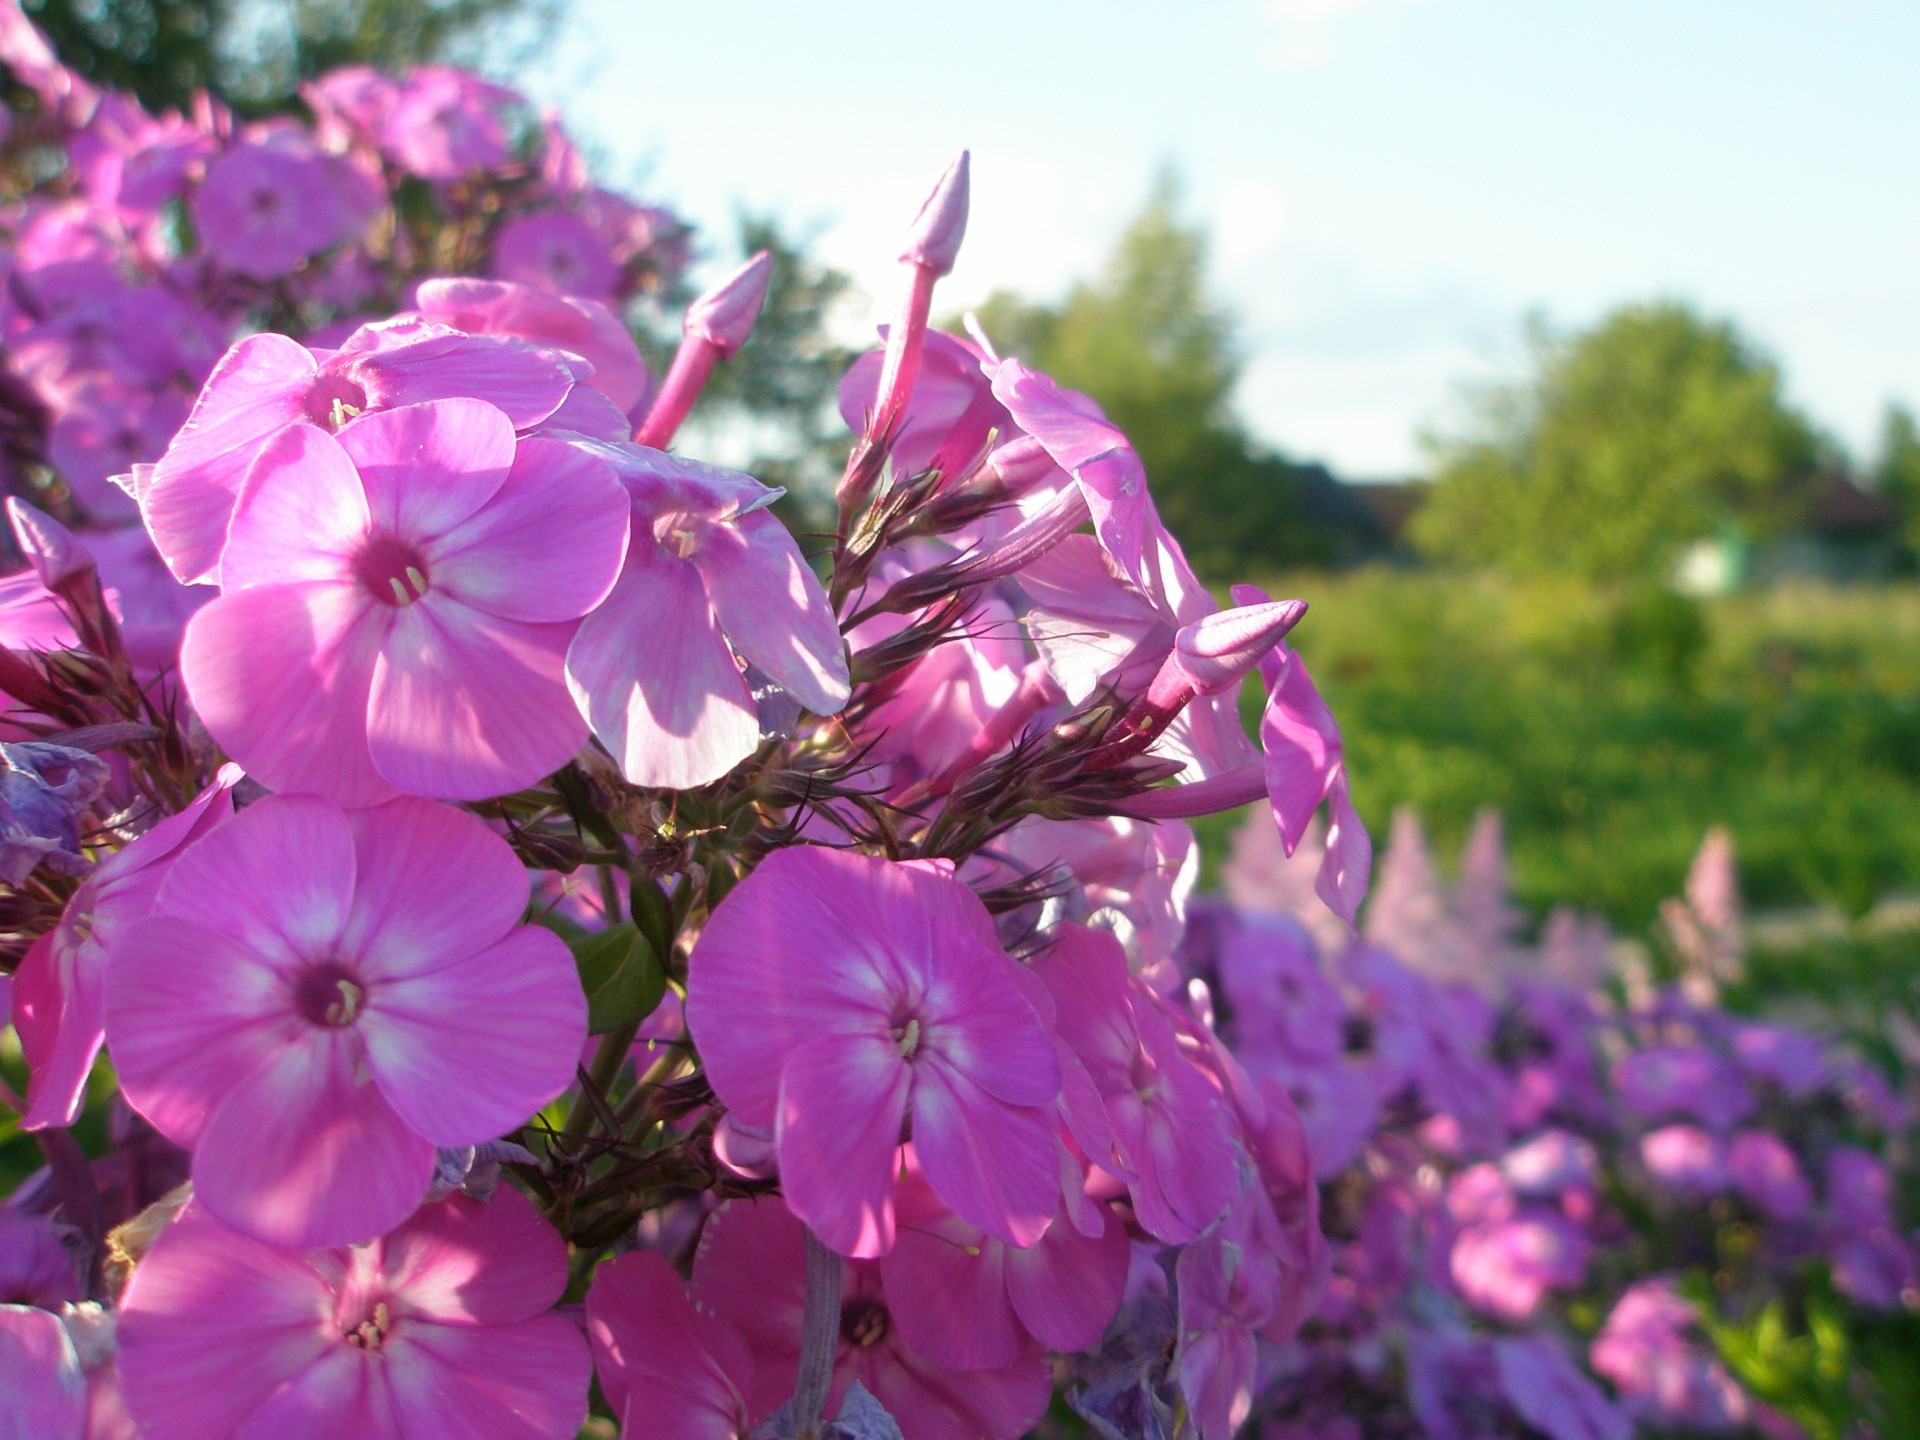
432 885
280 675
466 1052
547 547
465 706
992 1162
526 1381
212 1324
191 1013
307 1152
469 1262
427 467
774 611
302 515
842 1099
657 682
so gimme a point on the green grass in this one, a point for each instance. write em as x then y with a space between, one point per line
1612 729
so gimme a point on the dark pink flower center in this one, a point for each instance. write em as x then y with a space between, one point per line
864 1323
371 1333
333 399
392 570
329 994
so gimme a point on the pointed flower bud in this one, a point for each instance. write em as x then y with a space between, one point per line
56 556
934 241
724 315
1218 651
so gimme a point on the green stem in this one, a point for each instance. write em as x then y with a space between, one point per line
607 1060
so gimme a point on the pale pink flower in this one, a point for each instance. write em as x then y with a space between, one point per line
59 994
666 1366
713 584
442 1328
320 998
446 123
577 326
267 382
396 604
750 1270
837 998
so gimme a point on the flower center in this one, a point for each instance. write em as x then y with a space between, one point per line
907 1036
333 399
329 995
864 1323
392 570
371 1333
680 533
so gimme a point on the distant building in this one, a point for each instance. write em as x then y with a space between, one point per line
1848 536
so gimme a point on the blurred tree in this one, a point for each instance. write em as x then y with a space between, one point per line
1147 342
1896 470
1654 429
254 53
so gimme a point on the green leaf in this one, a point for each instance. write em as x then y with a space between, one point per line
621 976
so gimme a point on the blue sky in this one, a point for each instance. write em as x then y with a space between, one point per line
1391 184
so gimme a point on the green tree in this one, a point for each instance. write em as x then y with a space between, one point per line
1146 340
255 53
1654 429
1896 470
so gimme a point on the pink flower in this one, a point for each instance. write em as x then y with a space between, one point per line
320 998
396 604
442 1328
268 382
1173 1138
558 252
40 1375
710 576
969 1301
446 123
835 998
581 327
35 1267
750 1271
666 1366
263 209
59 992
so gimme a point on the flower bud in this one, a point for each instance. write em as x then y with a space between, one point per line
1217 652
56 556
724 315
934 241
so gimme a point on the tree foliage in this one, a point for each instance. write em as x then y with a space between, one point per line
1657 427
1147 341
254 53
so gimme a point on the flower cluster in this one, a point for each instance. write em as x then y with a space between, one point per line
1543 1170
546 926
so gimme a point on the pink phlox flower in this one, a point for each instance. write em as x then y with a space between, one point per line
36 1267
320 998
266 208
1647 1351
1791 1059
969 1301
266 383
446 124
666 1365
556 251
59 996
577 326
949 419
1305 766
750 1270
442 1327
1551 1164
1505 1265
838 998
1279 996
109 429
151 605
1872 1261
1230 1284
397 601
350 105
1173 1138
135 163
715 600
1766 1172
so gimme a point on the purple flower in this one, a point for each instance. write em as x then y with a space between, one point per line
263 209
445 123
44 790
556 251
